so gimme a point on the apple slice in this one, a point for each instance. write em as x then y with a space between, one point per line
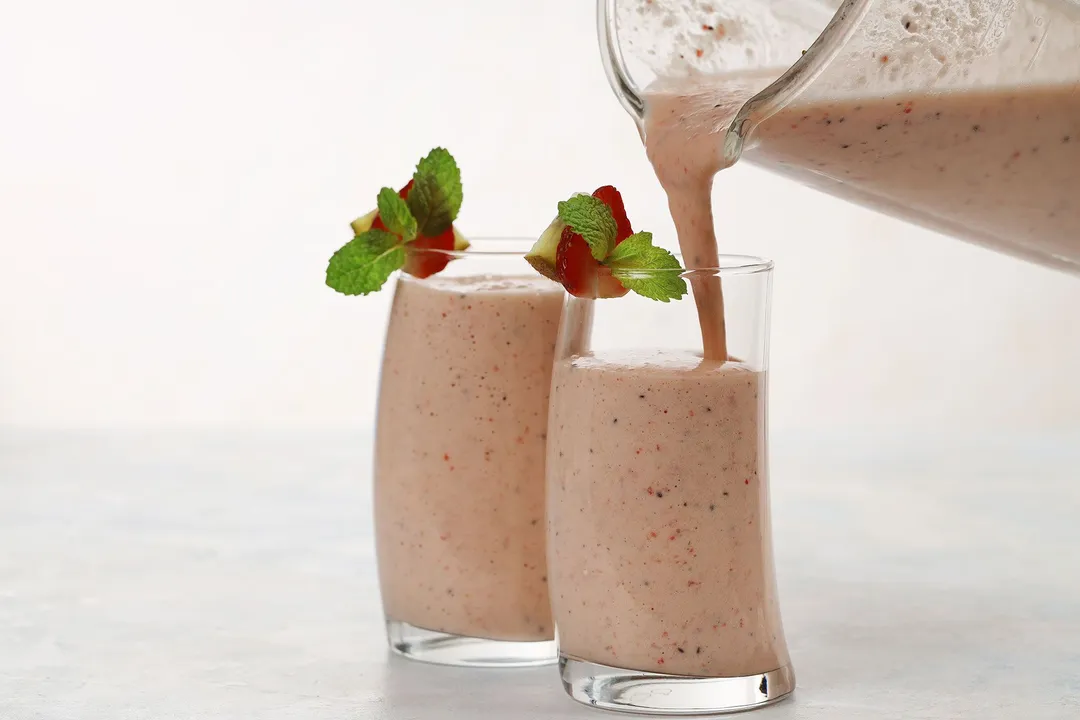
363 224
460 242
544 253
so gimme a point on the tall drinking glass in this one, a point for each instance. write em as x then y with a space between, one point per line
659 538
459 459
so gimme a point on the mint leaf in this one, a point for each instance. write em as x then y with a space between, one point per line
635 251
436 195
394 212
649 271
365 262
590 218
664 285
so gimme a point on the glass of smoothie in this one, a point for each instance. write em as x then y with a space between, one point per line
459 457
660 558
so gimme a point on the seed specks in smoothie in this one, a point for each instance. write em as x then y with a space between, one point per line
996 197
669 605
496 486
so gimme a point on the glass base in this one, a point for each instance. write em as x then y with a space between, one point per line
636 691
445 649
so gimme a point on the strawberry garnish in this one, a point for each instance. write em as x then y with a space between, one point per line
591 248
411 229
613 199
422 256
580 273
575 266
418 261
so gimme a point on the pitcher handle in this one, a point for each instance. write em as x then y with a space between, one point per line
614 64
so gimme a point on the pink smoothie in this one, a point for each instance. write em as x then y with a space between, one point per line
998 167
658 506
682 134
459 464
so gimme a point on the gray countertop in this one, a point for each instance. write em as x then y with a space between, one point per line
213 576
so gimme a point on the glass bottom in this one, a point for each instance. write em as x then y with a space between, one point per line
440 648
646 693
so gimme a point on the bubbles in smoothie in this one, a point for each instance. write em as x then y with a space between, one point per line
905 45
656 362
918 45
679 38
488 283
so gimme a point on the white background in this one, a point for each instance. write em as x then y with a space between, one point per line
174 176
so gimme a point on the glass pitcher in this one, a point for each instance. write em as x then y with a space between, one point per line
960 115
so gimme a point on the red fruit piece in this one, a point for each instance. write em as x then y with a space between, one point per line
423 257
403 193
580 273
575 266
613 199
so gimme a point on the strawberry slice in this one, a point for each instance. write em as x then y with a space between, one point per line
580 273
608 286
613 199
575 266
422 256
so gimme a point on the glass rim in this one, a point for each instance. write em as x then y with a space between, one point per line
488 240
727 263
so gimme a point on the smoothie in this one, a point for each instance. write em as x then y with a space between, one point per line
660 549
682 133
459 455
998 167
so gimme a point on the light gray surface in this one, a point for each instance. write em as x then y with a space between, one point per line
178 576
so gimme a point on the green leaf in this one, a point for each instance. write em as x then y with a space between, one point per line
649 271
435 198
590 218
663 286
394 212
365 262
636 251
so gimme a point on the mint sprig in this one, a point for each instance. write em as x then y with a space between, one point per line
395 215
436 195
637 264
650 271
590 218
364 264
